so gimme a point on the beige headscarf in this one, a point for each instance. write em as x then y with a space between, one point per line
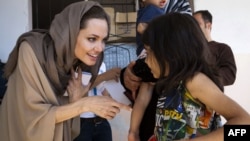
56 56
35 86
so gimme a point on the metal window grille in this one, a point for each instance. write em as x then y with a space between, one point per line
119 54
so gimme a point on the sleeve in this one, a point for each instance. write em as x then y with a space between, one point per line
100 88
227 65
150 12
34 99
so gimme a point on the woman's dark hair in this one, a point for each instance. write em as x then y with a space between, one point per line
177 39
95 12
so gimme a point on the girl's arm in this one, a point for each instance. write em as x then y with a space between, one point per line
139 107
205 90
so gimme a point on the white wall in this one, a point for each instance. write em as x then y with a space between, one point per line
231 25
230 22
15 19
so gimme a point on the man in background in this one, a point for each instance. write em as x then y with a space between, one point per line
222 53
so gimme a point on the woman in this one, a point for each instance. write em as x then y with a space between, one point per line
188 85
40 71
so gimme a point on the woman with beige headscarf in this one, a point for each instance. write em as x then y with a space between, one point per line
40 71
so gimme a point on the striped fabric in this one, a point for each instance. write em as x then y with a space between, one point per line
182 6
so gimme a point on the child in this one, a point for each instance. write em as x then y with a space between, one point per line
143 73
188 86
150 9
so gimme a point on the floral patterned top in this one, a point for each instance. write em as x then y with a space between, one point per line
180 116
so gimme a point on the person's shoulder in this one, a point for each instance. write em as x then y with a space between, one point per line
149 12
25 47
26 53
219 45
199 78
216 43
197 82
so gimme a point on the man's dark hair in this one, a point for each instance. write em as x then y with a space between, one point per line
206 15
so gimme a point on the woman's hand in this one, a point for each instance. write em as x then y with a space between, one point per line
75 88
103 106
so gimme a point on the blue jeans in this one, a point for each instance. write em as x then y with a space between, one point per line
95 131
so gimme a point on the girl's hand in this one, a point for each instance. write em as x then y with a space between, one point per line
133 136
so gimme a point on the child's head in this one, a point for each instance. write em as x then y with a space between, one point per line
175 46
158 3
